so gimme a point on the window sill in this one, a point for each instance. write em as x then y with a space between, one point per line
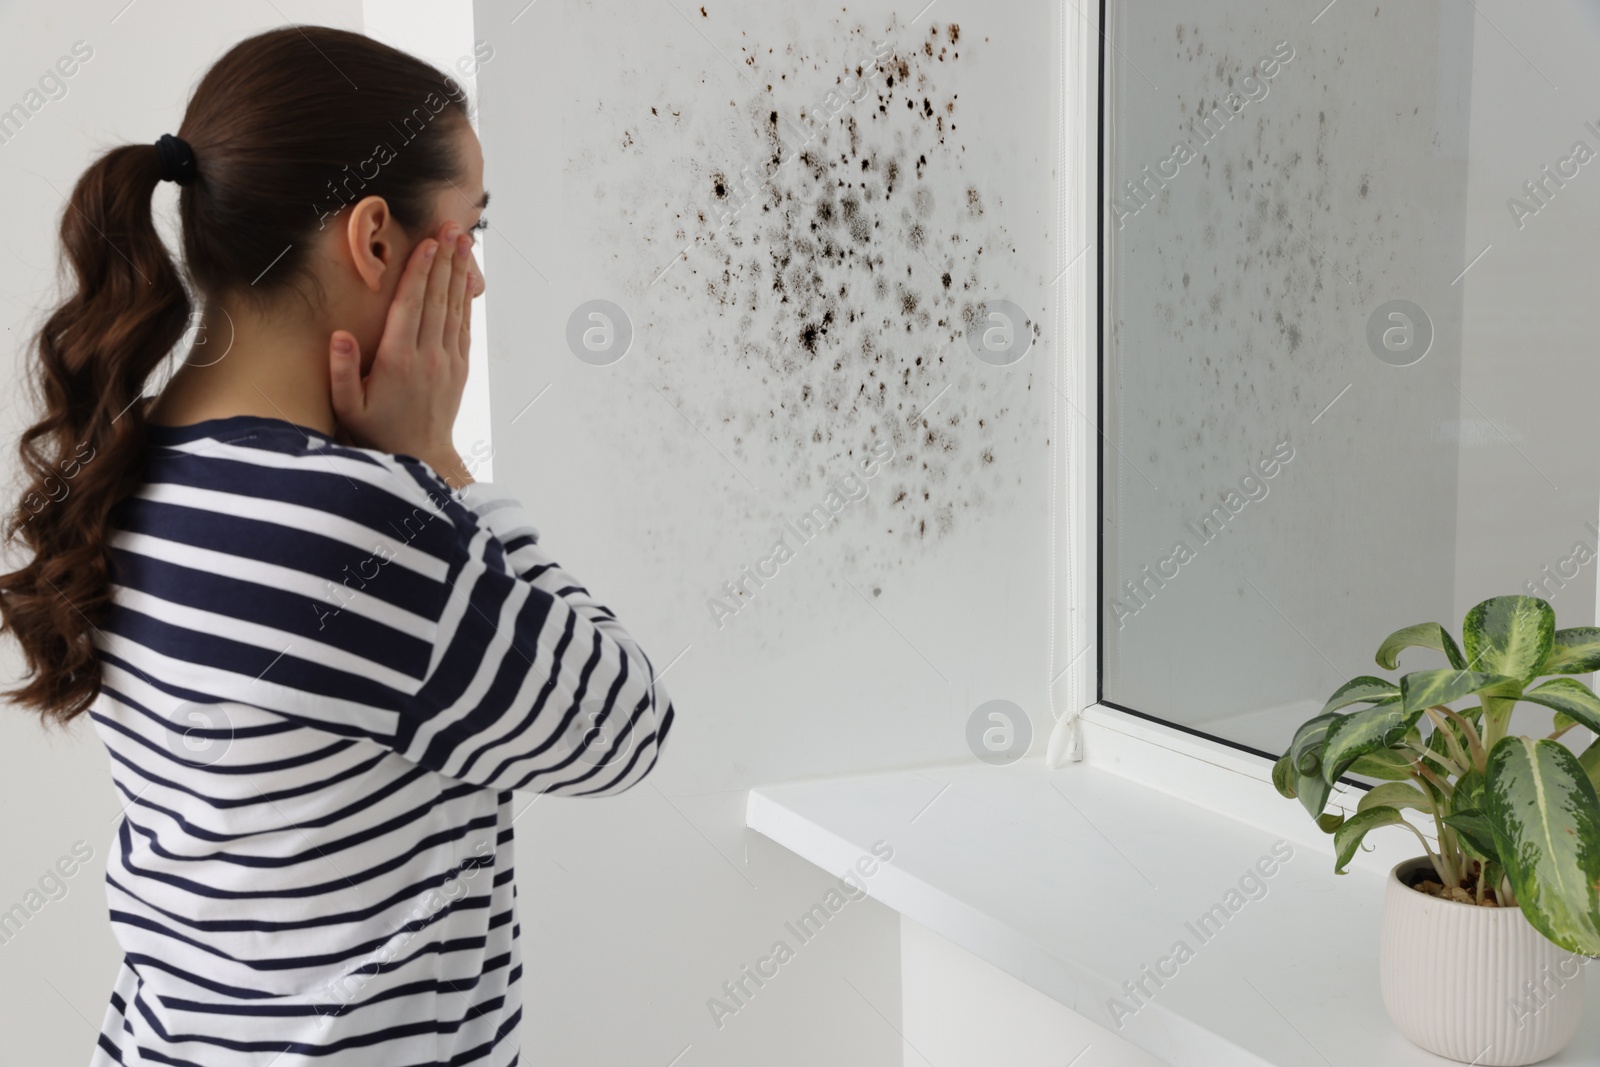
1077 880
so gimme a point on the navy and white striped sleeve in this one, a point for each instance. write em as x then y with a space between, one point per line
520 540
531 683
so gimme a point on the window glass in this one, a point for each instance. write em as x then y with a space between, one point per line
1349 340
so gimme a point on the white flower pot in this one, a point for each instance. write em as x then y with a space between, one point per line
1474 984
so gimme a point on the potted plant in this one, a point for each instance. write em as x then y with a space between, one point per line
1484 934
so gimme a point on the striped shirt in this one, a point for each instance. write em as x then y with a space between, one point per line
323 675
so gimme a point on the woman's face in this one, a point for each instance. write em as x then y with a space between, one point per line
367 257
463 201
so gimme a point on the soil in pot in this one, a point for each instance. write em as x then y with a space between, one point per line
1425 880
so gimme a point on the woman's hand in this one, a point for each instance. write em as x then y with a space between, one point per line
408 400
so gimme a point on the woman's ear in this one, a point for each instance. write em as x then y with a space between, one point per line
370 234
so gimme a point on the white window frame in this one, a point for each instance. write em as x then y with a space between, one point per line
1165 757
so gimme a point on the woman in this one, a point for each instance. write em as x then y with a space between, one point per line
320 656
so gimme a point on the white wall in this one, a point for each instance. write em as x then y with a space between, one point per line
657 478
963 1011
1530 473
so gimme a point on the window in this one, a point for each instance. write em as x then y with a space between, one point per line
1347 348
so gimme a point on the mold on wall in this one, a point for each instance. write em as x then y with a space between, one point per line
804 252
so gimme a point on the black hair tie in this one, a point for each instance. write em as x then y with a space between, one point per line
177 159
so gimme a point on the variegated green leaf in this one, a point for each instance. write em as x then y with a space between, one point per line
1385 764
1545 817
1395 795
1574 651
1283 777
1356 734
1348 837
1590 762
1474 832
1468 792
1330 821
1358 690
1305 756
1571 698
1422 635
1423 689
1510 635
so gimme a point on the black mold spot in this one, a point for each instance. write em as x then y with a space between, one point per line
808 337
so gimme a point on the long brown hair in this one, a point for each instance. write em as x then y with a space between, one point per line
286 128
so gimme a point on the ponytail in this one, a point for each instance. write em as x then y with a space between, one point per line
271 162
95 355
